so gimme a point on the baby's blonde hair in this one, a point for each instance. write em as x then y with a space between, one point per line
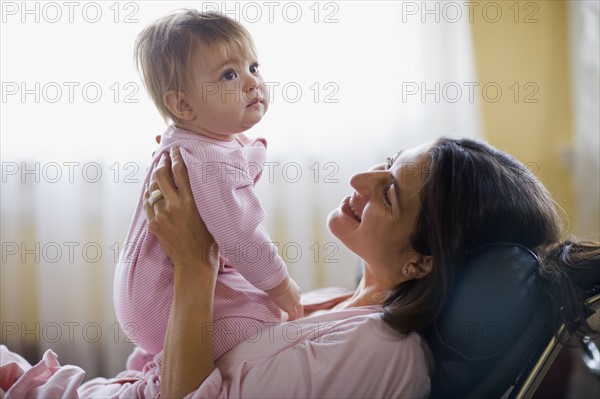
163 51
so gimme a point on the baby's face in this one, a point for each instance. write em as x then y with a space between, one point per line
228 94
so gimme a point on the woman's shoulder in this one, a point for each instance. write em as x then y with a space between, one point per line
353 326
387 363
364 326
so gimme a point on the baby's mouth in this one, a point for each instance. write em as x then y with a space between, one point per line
254 102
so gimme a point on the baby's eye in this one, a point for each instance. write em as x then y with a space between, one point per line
229 75
254 67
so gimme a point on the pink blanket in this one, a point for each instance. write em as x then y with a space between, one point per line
48 379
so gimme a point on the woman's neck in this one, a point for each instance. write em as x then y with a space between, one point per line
370 291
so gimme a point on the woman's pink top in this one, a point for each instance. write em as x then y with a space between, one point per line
339 354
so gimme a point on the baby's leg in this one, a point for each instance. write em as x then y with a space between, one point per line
143 295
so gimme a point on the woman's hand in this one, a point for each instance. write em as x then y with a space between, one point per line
173 218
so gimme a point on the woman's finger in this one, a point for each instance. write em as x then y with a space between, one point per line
157 139
162 175
152 184
180 173
148 209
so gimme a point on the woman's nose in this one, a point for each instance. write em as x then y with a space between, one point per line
365 183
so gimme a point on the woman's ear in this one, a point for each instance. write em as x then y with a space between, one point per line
418 267
179 106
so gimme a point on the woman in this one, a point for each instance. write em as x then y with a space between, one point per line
411 220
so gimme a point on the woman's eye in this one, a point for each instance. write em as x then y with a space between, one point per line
386 194
229 75
388 163
254 67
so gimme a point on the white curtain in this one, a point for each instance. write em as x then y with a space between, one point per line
584 18
352 82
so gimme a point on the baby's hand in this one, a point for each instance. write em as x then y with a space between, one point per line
287 296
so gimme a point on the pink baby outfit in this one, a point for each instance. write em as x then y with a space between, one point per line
222 176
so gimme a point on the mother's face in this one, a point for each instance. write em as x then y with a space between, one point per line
376 221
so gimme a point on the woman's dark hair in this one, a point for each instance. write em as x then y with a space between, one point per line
474 194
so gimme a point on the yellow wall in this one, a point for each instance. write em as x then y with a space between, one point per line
537 53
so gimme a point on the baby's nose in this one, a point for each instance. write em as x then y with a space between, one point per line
252 89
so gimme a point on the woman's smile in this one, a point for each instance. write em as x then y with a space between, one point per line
353 208
349 210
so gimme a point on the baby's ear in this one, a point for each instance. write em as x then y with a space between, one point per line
177 103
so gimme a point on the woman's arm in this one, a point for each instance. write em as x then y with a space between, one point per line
187 353
176 223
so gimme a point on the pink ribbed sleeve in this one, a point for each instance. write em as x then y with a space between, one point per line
223 187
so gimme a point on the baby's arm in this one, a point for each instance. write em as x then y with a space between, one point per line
287 296
233 215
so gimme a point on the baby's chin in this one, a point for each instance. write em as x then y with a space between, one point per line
249 125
